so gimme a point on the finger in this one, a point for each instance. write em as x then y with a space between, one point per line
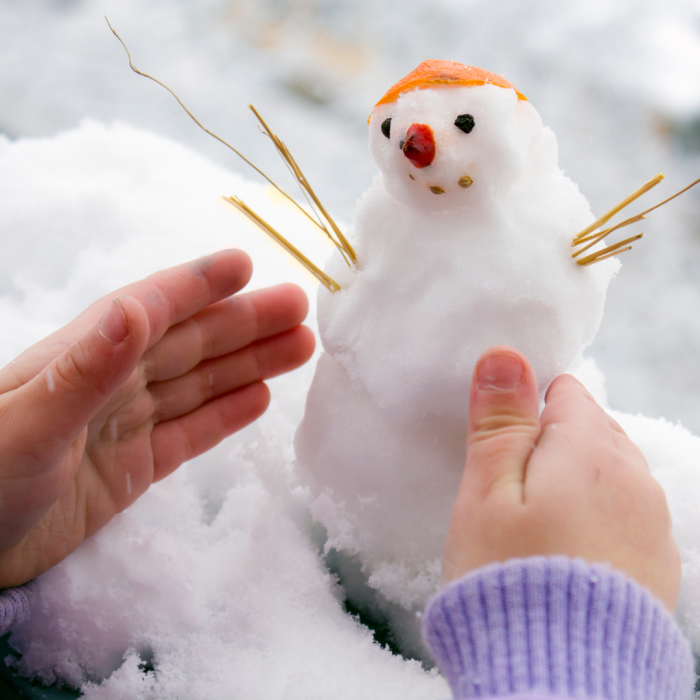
503 422
168 296
572 421
177 441
55 406
614 425
564 385
225 327
263 360
171 296
568 404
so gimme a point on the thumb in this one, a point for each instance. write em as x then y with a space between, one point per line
503 421
60 401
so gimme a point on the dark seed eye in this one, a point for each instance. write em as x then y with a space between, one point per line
386 127
465 122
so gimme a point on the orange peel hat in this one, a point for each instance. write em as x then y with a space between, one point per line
434 72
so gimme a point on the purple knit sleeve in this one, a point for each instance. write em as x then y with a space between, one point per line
542 628
14 605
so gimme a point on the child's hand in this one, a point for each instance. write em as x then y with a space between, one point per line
569 483
94 414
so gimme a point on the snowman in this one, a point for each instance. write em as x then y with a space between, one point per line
463 241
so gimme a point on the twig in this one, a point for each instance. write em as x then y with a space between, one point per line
321 276
625 202
605 257
605 232
673 196
341 243
590 236
593 240
611 248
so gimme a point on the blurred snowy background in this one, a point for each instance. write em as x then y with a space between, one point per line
618 82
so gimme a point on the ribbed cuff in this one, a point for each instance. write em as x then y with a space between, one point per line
556 626
14 605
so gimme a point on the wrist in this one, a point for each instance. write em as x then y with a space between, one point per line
556 626
14 605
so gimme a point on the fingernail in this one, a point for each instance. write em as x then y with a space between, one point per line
499 373
113 326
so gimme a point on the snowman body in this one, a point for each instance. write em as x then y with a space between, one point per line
445 271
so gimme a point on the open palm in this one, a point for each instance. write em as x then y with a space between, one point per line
94 414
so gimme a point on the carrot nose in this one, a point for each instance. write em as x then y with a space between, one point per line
419 146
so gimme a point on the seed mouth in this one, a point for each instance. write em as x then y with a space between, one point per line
465 181
411 176
436 190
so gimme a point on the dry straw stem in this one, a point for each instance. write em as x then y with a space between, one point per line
619 207
586 236
321 276
340 241
580 238
599 254
605 257
203 128
602 234
599 236
593 240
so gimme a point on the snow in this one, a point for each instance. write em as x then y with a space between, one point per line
673 455
225 594
215 577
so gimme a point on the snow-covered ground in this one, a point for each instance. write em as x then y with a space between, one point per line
215 573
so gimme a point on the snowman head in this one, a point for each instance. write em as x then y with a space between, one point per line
450 136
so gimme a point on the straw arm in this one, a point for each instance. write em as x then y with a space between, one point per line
610 249
321 276
625 202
